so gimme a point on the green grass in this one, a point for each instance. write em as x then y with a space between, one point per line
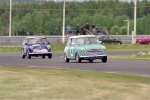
17 49
21 83
60 47
127 47
10 49
137 57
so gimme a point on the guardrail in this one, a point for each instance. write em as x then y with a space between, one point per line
17 40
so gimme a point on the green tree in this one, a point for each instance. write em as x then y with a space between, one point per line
27 23
147 30
114 30
123 30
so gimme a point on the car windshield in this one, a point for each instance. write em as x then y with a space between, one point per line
143 37
86 40
37 41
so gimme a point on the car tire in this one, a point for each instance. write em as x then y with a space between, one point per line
104 59
65 58
23 56
119 43
91 60
43 56
78 59
50 56
28 55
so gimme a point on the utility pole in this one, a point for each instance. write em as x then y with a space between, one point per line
10 18
127 26
63 29
134 33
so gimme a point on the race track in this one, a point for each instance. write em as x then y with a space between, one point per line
138 67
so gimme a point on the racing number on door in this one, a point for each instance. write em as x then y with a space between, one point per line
71 51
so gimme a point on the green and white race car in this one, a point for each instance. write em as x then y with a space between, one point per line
84 47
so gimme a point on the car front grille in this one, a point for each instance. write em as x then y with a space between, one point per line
93 52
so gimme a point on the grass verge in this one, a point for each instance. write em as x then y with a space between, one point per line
21 83
140 56
58 47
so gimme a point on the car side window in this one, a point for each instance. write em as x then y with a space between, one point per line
105 38
72 42
24 42
111 38
68 42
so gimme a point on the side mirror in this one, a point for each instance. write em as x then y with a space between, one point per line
99 41
72 44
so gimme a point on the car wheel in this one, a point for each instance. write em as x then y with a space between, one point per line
118 43
28 55
104 59
50 56
23 56
65 58
43 56
78 59
91 60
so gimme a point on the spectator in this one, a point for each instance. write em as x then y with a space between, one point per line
104 31
93 28
141 33
69 29
83 30
72 31
99 32
77 29
87 26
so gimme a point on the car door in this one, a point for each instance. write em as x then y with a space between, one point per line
24 46
112 40
104 39
71 49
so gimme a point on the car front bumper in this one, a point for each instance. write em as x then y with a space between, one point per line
93 57
39 51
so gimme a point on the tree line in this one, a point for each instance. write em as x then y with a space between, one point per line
45 18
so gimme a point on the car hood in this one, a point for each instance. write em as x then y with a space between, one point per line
142 39
139 38
91 46
39 46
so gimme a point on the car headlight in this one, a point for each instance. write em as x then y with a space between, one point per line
103 48
48 46
83 50
31 47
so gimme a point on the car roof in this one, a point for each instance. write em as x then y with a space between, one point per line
80 36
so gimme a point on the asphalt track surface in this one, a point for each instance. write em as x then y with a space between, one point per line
137 67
